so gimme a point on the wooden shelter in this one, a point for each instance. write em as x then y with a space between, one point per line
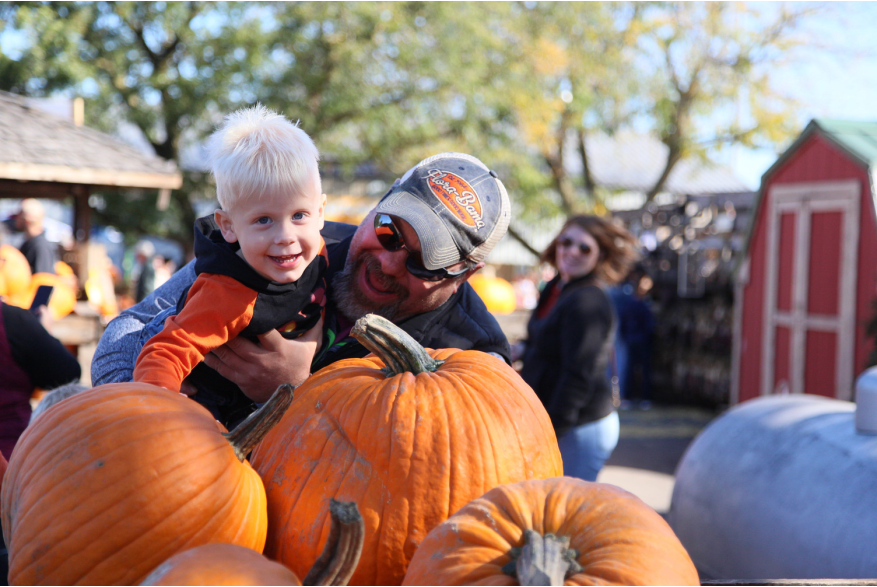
805 288
45 156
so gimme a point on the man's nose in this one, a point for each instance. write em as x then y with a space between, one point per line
393 262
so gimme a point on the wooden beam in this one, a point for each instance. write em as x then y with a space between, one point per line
91 176
10 188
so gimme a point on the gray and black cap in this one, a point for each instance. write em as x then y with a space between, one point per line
456 205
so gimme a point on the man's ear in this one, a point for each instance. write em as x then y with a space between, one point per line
223 221
467 275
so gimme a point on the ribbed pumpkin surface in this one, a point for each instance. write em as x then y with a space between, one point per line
619 539
113 481
408 450
221 564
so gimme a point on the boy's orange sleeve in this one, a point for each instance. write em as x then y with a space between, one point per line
217 309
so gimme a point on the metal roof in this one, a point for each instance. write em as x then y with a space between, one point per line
633 162
859 139
37 146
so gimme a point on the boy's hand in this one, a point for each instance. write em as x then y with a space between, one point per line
259 370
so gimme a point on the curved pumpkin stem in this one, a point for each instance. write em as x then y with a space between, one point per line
341 554
394 346
251 431
543 560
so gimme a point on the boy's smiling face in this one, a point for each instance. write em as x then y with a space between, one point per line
278 231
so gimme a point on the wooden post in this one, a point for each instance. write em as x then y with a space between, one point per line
81 228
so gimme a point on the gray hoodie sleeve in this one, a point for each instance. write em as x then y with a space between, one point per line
118 348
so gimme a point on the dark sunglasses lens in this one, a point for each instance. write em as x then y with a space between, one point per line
567 243
422 273
387 233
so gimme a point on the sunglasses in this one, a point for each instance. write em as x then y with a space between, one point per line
390 238
568 243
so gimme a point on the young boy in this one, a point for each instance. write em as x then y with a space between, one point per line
260 259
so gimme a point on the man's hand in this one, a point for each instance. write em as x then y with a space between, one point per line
259 370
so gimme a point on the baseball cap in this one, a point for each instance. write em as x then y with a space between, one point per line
456 205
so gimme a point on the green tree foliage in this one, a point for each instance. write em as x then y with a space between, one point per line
518 84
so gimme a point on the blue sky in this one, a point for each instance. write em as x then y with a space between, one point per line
833 76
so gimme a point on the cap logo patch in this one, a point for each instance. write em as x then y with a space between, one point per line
458 196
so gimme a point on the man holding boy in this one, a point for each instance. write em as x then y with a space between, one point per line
408 260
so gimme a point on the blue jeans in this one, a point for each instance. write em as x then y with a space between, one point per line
585 448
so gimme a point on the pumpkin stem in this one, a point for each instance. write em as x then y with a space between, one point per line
543 560
394 346
341 554
251 431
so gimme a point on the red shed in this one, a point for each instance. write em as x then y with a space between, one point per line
806 284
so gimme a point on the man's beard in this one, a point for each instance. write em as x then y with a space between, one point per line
350 300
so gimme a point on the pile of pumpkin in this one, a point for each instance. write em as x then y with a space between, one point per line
405 467
18 287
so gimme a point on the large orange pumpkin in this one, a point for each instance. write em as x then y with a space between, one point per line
615 539
227 564
410 436
15 269
112 481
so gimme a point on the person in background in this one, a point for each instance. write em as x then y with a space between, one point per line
570 337
38 251
145 283
633 346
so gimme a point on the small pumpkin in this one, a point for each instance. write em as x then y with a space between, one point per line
580 533
496 293
410 435
228 564
112 481
15 269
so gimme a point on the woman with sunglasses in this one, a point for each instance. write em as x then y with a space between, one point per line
570 339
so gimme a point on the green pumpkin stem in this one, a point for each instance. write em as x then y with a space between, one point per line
394 346
251 431
343 547
543 560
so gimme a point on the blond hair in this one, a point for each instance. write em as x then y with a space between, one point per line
257 151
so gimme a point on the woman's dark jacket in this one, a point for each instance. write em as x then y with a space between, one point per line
567 353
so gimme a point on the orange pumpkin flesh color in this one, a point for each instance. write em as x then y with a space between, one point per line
408 449
221 564
109 483
226 564
618 540
62 301
15 269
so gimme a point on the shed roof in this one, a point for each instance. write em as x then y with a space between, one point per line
37 146
857 138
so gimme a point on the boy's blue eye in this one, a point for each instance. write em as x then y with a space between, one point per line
263 220
298 216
